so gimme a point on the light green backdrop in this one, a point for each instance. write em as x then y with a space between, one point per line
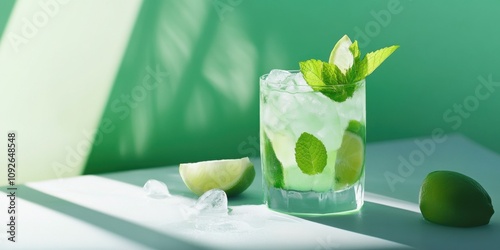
202 102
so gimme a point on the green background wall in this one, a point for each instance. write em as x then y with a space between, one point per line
203 103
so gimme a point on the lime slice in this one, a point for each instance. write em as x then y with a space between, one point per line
341 55
233 176
453 199
350 160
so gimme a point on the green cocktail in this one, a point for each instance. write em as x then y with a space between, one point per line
312 131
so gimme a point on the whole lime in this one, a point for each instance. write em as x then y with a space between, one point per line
453 199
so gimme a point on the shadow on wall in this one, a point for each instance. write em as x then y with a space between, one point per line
184 92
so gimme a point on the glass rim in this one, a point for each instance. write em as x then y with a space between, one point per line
277 85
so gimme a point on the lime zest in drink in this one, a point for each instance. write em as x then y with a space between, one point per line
310 154
345 67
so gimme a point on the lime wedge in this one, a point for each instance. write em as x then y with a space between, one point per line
350 160
341 55
233 176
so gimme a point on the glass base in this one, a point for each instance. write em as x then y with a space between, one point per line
315 203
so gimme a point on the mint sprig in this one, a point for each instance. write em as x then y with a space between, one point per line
310 154
328 79
322 77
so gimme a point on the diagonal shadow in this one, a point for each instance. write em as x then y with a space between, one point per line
409 228
128 230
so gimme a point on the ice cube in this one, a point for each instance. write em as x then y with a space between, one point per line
277 76
213 201
308 117
271 117
298 84
156 189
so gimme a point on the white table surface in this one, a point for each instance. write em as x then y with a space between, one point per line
111 211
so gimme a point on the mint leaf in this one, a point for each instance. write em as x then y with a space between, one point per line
372 60
312 70
353 72
338 84
310 154
339 93
319 74
273 168
332 75
328 73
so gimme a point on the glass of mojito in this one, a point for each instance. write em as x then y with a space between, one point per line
312 132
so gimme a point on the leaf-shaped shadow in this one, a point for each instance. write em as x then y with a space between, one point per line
230 65
159 52
201 75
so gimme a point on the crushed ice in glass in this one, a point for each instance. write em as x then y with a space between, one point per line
156 189
286 114
277 75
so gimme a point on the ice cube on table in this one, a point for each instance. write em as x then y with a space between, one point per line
212 202
211 214
156 189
